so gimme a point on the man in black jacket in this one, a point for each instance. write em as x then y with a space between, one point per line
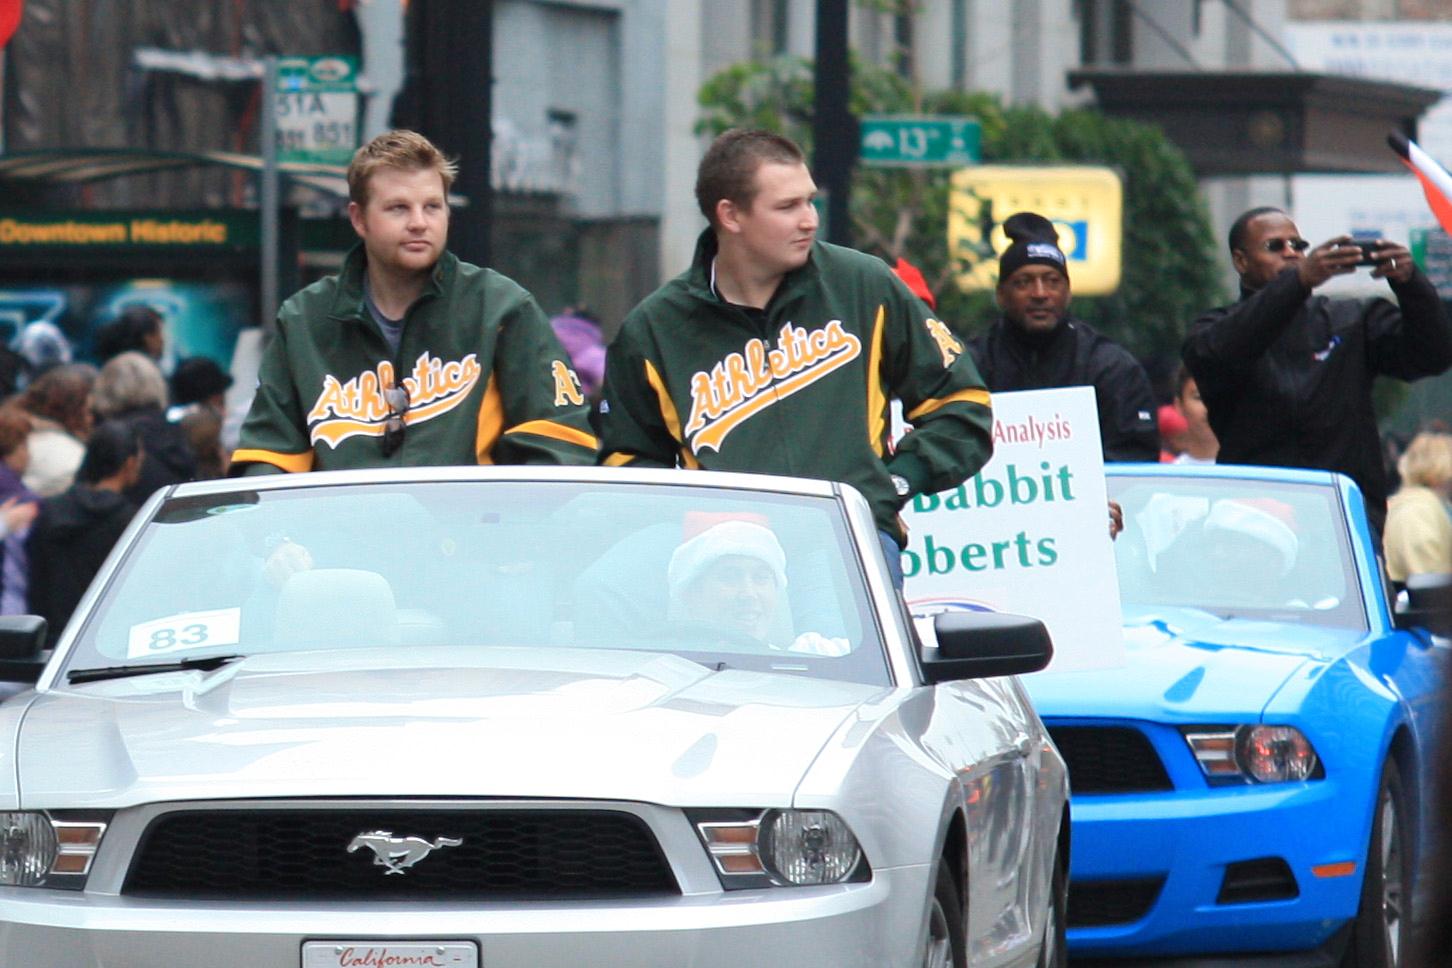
76 530
1287 375
1036 344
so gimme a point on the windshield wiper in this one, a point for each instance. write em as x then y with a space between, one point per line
205 663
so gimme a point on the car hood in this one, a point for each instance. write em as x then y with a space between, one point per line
1185 665
446 723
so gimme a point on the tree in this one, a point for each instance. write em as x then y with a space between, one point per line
1169 273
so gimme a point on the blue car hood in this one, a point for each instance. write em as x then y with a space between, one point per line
1185 665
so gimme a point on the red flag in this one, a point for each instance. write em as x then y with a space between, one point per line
910 275
9 19
1436 183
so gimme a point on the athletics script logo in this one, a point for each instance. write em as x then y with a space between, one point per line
746 383
358 408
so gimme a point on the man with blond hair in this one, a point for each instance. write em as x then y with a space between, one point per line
410 356
776 353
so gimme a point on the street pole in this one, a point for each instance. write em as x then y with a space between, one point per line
268 195
448 97
834 129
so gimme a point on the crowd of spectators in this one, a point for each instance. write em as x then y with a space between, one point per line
82 447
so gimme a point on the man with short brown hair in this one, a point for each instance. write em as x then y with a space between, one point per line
776 353
410 356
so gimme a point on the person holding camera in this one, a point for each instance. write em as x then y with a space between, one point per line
1286 375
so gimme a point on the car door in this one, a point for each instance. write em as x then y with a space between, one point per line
981 729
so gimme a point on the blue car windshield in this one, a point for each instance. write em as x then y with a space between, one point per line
1240 549
729 578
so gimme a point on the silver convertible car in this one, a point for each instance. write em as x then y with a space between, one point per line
522 717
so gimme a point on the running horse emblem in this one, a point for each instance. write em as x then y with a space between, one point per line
399 853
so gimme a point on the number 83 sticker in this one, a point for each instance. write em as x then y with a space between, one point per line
184 632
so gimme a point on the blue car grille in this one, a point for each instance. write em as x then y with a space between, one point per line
499 854
1110 759
1252 881
1098 904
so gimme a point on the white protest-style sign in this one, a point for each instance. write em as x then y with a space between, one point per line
184 632
1030 533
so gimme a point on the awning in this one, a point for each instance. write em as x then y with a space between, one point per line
74 166
1242 122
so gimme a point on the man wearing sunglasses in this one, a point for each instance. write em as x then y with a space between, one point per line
1286 375
410 356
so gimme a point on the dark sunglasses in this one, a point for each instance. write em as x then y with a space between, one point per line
393 429
1279 245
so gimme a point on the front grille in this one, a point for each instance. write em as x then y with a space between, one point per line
1097 904
1110 759
505 854
1262 879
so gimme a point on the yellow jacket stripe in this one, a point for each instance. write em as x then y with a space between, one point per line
491 422
292 463
548 428
971 395
669 414
876 393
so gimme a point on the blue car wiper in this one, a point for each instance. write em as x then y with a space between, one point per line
205 663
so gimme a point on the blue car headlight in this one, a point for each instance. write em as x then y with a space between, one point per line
1259 754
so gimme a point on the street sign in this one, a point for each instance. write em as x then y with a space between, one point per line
317 109
913 141
1432 251
1085 203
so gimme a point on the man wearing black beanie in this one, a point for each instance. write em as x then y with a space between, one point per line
1036 344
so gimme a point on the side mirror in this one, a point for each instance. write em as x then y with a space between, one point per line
979 645
1429 604
22 642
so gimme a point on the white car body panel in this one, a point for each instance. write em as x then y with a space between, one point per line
914 770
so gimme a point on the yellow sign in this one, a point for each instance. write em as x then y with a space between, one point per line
95 229
1086 205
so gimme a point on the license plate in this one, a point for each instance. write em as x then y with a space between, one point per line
390 954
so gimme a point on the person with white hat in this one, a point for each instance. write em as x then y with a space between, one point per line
732 576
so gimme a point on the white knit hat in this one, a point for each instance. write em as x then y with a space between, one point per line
727 538
1262 519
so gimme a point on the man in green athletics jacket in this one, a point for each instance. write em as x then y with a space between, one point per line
778 354
409 356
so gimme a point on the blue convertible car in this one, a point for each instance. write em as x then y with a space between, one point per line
1249 784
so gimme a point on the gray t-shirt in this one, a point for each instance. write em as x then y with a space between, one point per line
392 329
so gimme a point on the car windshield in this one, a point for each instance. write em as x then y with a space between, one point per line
728 578
1241 549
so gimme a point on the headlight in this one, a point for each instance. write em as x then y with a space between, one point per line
1263 754
27 848
780 848
808 846
1277 754
40 850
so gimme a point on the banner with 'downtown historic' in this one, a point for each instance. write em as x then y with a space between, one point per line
1030 533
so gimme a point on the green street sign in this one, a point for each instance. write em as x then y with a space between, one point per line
910 140
317 109
1432 251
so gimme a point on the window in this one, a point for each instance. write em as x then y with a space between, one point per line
769 26
1106 34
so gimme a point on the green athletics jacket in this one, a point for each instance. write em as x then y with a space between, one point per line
487 381
692 381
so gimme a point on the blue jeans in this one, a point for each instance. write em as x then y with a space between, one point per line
893 554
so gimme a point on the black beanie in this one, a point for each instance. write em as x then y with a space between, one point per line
1033 241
